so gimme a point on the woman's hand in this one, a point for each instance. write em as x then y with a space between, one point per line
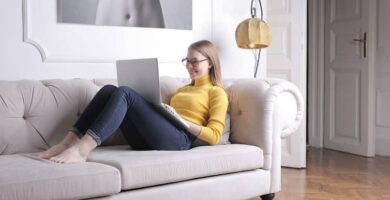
194 129
171 110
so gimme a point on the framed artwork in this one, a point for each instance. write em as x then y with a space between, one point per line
169 14
72 31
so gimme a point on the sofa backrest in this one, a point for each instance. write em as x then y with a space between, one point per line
35 115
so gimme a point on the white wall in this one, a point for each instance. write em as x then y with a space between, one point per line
383 80
20 60
69 51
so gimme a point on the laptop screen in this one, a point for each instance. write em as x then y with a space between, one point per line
142 76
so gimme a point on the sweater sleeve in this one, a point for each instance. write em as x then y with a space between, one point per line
218 102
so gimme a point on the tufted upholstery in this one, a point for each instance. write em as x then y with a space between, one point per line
42 111
35 115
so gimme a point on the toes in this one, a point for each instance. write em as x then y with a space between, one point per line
59 159
55 159
68 156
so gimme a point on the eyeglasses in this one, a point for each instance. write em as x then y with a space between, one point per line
194 63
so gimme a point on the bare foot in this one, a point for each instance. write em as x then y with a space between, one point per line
70 155
78 152
52 151
65 143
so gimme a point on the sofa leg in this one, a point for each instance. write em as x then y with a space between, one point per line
268 196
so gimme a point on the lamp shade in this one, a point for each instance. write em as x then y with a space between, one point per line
253 33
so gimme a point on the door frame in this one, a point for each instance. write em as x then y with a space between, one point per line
316 48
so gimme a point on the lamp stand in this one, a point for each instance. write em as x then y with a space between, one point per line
257 61
253 14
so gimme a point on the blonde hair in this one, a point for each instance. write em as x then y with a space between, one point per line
208 50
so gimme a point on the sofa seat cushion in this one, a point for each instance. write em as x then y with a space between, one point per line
148 168
25 177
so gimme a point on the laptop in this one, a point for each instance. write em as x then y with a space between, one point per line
142 76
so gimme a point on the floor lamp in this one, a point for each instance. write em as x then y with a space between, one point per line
253 33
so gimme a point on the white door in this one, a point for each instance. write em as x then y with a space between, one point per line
348 123
286 59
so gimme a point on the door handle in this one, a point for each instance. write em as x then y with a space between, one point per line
364 41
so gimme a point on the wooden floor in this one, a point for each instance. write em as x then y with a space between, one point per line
337 176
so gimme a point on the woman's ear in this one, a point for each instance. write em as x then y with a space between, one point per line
210 65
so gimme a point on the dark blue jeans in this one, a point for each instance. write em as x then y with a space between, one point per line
143 127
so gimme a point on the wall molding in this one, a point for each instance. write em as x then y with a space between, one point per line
282 31
26 37
287 60
279 7
280 73
81 43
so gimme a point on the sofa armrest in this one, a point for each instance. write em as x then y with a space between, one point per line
262 112
288 106
253 106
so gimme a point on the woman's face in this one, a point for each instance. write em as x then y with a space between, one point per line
197 65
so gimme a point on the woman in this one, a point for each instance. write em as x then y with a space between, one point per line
202 104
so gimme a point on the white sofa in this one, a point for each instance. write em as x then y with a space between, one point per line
36 114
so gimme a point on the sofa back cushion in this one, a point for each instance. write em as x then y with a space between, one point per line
35 115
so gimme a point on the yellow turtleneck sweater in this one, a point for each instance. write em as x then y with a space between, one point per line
205 105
